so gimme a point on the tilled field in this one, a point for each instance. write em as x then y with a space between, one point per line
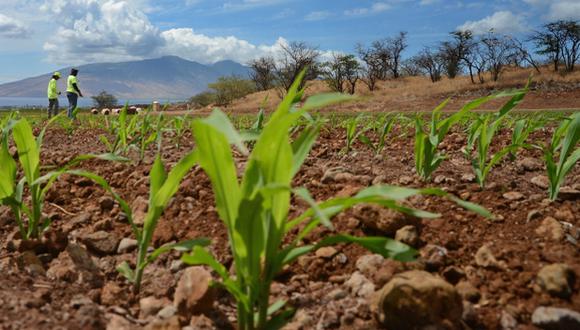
497 272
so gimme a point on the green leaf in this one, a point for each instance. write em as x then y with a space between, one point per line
222 123
184 246
126 271
302 145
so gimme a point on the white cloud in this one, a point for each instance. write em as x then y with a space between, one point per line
557 9
318 15
500 22
428 2
100 31
193 46
376 8
12 28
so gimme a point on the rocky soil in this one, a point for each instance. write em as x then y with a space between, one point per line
517 271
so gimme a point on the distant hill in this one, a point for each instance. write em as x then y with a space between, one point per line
166 77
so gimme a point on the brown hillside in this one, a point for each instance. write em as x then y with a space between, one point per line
549 91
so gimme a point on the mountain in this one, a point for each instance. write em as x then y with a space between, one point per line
168 77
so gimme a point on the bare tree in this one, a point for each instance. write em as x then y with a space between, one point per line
560 42
340 72
409 68
372 70
498 51
396 46
431 63
294 58
263 72
477 61
525 55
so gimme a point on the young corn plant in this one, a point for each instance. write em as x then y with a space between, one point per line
427 154
162 187
561 155
352 132
12 190
486 129
382 132
522 130
255 210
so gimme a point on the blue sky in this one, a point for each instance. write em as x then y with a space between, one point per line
37 36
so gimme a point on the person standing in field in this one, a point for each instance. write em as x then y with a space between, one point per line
53 93
72 92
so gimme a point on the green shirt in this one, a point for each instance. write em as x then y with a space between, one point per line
52 90
69 84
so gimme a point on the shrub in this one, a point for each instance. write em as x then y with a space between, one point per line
228 89
104 100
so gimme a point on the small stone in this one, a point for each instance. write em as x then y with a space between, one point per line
468 292
193 294
407 235
167 312
328 320
468 177
32 263
541 181
408 300
101 242
326 252
80 300
485 258
359 285
107 203
530 164
568 194
565 214
127 245
434 257
117 322
201 322
550 229
552 318
513 195
405 180
368 264
557 280
507 321
384 220
150 306
171 323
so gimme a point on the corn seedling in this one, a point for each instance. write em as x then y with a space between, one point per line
352 132
382 132
522 130
162 187
488 126
255 210
427 156
12 190
563 142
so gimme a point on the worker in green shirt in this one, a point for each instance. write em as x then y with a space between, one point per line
53 93
72 92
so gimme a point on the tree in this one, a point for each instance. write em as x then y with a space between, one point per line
560 42
294 58
498 51
230 88
341 70
371 71
263 72
431 63
525 55
104 100
396 46
456 51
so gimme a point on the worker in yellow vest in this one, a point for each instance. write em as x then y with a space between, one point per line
72 92
53 93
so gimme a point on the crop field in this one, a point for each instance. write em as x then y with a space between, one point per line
295 219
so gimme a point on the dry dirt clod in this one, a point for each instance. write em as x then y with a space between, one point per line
408 235
507 321
552 318
557 279
468 292
112 294
485 258
369 264
386 221
406 180
550 229
513 195
101 242
326 252
193 294
127 245
359 285
150 306
541 181
417 299
530 164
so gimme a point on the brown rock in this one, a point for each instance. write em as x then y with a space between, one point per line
171 323
112 294
193 294
408 235
201 322
384 220
326 252
468 292
550 229
513 195
101 242
416 299
149 306
541 181
557 280
485 258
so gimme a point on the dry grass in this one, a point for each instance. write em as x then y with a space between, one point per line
550 91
